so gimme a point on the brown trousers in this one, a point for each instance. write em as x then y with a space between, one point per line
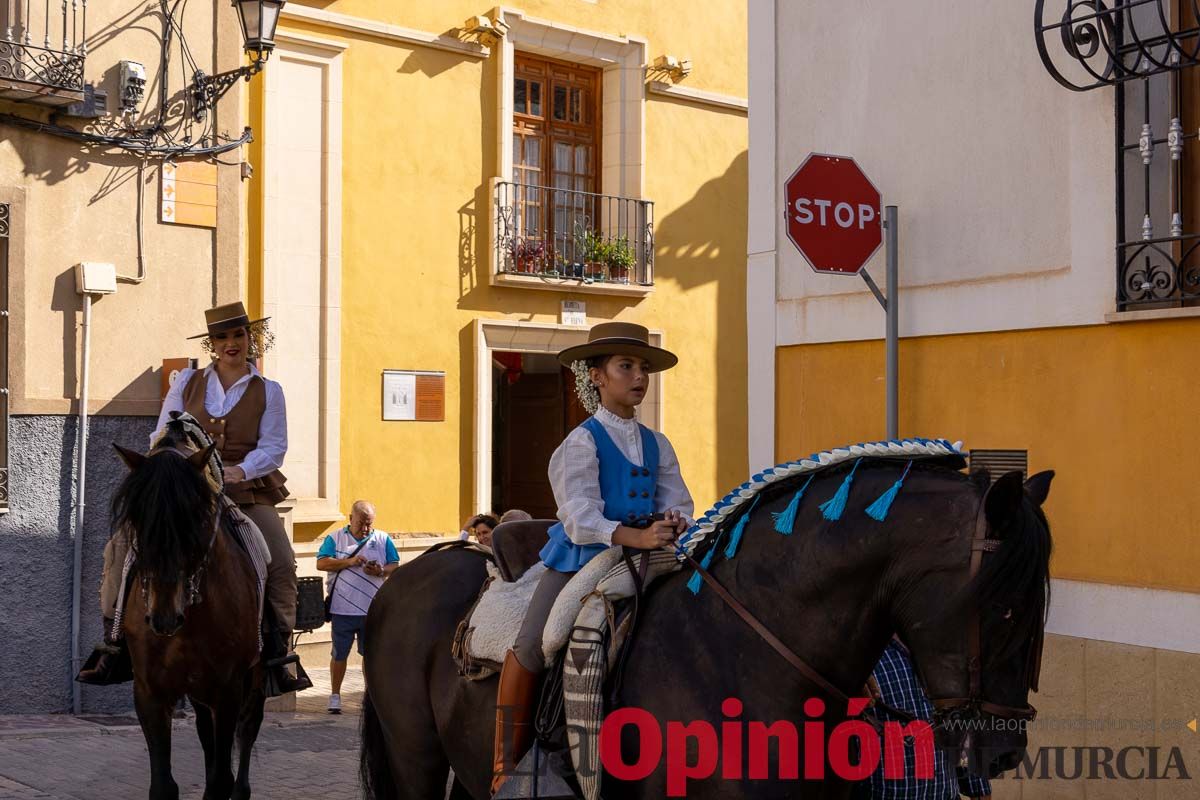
281 572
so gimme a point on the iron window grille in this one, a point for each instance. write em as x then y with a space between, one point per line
562 233
1145 50
42 47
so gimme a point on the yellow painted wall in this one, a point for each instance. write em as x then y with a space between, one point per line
1109 408
418 153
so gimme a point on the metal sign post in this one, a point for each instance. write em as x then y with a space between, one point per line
891 226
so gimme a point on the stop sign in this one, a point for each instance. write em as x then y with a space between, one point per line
833 214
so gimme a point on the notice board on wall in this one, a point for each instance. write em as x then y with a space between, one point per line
413 396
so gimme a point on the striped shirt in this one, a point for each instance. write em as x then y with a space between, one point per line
899 687
353 589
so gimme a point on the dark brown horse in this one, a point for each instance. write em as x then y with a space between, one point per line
833 592
191 619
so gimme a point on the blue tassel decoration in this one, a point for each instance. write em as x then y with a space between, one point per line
695 581
785 521
878 510
735 538
834 506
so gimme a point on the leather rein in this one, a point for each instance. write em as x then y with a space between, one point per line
953 707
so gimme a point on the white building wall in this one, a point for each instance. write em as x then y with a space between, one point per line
1004 180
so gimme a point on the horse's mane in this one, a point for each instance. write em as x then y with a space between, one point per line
166 506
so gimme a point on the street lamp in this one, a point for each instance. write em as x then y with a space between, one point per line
259 19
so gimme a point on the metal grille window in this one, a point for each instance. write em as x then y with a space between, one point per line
999 462
1147 50
5 221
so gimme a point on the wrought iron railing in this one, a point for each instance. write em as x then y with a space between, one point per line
1142 48
561 233
44 46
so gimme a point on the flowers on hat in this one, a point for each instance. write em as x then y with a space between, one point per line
585 390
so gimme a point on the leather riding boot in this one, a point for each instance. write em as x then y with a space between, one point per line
108 663
514 718
278 678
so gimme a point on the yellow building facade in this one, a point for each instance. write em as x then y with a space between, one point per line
388 242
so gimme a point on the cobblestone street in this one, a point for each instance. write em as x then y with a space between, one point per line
306 755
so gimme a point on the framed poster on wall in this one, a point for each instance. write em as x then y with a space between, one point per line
413 396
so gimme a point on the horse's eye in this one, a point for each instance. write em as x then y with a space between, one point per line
1008 613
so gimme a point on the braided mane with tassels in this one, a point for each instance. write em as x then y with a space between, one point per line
737 506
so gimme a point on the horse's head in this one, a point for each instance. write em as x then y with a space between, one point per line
981 654
167 507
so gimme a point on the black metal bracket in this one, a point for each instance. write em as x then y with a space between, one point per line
207 90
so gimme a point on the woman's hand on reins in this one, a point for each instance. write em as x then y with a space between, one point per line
661 533
233 474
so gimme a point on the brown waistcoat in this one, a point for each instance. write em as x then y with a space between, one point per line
236 435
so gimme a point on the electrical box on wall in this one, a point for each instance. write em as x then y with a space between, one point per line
95 277
133 85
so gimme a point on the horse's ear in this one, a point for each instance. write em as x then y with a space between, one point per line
1038 487
132 460
1003 499
199 459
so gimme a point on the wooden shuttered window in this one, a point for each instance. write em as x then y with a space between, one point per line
556 143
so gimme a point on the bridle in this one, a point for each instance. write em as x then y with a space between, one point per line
946 710
193 580
970 707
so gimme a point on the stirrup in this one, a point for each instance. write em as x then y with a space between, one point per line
108 665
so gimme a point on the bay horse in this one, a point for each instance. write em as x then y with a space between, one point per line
834 593
191 616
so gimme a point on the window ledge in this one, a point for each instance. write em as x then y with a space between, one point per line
570 285
311 509
1152 314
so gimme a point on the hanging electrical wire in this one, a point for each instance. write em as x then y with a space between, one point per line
166 138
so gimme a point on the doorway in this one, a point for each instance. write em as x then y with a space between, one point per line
534 407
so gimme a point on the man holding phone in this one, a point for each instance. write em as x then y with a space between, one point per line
358 558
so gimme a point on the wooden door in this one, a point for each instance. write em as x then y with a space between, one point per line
532 410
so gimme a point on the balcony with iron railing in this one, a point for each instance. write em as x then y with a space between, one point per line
550 238
42 50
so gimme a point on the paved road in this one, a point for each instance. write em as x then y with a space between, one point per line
308 755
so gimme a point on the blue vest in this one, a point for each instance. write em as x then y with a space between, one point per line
627 490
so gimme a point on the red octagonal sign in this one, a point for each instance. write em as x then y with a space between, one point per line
833 214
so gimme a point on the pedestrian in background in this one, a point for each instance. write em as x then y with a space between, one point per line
358 558
894 681
480 526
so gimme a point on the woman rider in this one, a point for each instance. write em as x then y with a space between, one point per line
244 413
610 477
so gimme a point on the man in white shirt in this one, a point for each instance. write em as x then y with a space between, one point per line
358 559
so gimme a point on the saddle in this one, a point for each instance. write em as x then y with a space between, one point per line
517 546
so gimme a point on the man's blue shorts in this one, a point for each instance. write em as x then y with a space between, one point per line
345 628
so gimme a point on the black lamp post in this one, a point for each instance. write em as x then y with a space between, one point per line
259 19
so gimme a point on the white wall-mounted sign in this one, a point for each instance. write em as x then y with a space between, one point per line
414 395
399 395
574 312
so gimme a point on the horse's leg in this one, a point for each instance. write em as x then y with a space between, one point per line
219 783
155 717
204 731
247 733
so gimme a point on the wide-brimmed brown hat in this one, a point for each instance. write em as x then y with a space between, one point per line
228 317
619 339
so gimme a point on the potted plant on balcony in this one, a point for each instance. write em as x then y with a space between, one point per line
590 252
620 259
529 255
